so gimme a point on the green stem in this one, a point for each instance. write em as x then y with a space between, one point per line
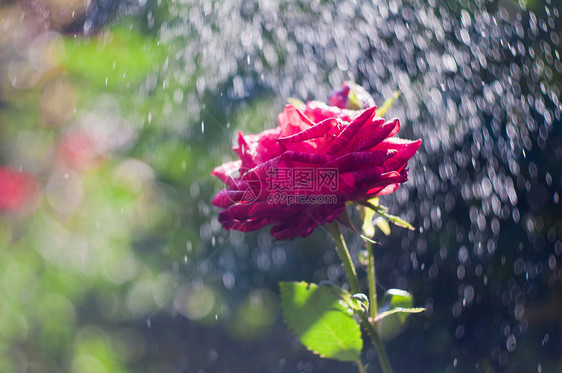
381 352
360 366
345 257
351 274
373 309
372 281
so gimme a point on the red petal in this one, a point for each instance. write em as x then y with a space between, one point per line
316 131
405 149
349 132
377 135
292 121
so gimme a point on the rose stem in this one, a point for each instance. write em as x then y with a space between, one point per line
372 281
351 274
381 352
345 257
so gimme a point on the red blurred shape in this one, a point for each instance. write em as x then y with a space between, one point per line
16 189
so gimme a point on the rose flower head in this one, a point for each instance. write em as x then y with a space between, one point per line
300 175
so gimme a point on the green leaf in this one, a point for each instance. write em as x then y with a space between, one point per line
368 226
397 221
320 318
394 311
383 225
360 302
369 222
388 103
382 315
382 211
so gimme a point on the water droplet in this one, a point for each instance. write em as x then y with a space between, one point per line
545 339
511 343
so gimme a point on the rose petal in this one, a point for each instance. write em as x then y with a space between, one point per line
349 132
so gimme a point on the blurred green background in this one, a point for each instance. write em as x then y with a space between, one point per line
111 256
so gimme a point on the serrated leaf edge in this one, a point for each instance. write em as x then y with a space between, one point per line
357 332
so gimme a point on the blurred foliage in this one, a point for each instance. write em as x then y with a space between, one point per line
81 263
121 57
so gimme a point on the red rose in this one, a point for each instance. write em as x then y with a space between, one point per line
300 174
16 189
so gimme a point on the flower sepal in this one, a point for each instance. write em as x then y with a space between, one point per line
393 313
